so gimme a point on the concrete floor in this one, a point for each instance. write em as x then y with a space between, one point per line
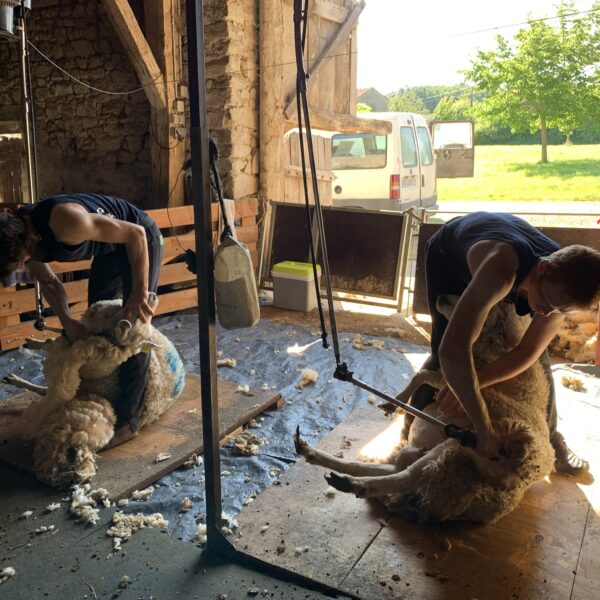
75 561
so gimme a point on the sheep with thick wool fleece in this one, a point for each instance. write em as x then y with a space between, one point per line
433 478
75 417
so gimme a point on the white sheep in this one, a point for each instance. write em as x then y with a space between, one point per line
75 417
433 478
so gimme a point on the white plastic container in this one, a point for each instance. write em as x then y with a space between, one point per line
235 286
294 285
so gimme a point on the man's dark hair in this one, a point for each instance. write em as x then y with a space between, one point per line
12 242
578 268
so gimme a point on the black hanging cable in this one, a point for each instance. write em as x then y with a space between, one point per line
213 155
217 187
303 21
466 437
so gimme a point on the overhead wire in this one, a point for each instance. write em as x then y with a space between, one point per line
290 63
87 85
528 22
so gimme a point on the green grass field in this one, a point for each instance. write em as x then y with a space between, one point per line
513 173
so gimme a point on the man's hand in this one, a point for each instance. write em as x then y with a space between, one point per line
449 405
74 329
138 307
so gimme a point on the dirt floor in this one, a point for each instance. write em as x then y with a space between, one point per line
357 320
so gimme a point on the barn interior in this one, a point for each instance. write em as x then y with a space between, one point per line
227 444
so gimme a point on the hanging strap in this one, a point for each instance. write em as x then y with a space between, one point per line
300 27
466 437
215 180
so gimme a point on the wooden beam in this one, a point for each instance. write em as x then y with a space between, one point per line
138 51
273 29
162 21
330 48
330 121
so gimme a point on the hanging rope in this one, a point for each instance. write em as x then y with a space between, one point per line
300 28
466 437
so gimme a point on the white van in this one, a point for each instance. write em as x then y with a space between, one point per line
390 172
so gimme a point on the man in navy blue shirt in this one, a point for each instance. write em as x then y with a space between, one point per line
126 248
485 258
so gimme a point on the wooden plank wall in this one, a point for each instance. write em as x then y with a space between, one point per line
331 88
294 185
17 305
11 152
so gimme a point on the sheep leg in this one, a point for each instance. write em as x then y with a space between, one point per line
33 344
407 456
396 483
424 376
19 382
322 459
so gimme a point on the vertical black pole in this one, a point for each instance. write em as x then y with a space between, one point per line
204 262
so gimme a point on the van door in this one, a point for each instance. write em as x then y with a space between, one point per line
454 147
428 187
410 194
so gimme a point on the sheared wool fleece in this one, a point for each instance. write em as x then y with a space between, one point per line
75 418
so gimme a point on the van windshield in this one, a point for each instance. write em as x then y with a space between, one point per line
358 151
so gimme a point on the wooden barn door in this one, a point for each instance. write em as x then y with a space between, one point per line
330 60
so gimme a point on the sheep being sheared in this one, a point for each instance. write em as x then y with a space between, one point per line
433 478
75 417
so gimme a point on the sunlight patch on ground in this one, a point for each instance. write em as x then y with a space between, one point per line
297 350
381 446
366 309
578 418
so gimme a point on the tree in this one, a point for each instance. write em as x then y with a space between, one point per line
452 109
548 77
406 100
362 107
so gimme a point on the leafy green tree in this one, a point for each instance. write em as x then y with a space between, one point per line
452 109
406 100
431 94
548 76
362 107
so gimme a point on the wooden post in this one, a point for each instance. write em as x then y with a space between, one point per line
157 62
162 20
271 99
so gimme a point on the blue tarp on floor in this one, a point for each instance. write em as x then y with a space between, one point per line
270 354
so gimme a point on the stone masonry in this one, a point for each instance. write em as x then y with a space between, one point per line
99 142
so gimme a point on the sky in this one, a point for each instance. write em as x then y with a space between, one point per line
422 42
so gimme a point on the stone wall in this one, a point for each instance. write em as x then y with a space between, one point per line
231 36
97 142
86 140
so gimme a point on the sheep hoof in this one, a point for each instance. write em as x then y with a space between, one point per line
300 444
346 485
122 435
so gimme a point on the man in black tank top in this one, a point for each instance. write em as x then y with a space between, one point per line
485 258
125 246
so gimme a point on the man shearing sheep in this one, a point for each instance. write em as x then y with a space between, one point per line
486 258
126 248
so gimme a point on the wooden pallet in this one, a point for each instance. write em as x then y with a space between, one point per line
16 326
547 548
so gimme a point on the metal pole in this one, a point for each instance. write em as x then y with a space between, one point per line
28 126
204 261
26 104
